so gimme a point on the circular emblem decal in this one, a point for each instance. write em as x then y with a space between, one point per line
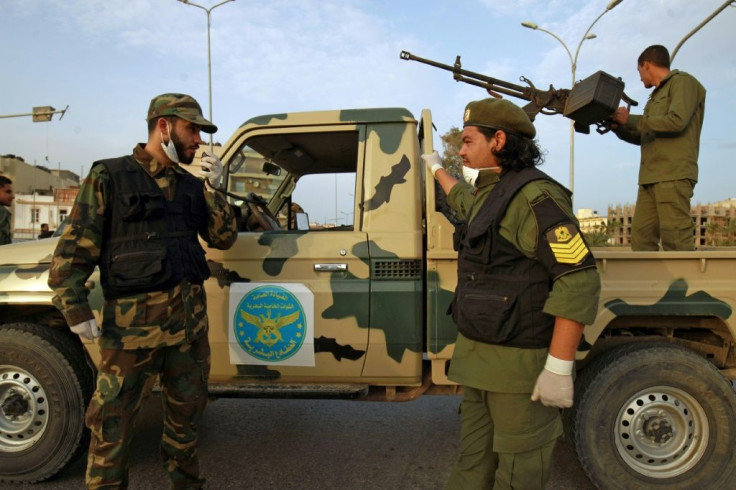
270 323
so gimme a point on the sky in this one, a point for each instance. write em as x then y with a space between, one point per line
106 59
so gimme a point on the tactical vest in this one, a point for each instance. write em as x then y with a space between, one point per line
150 243
501 292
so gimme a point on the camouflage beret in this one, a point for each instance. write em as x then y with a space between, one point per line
179 105
499 114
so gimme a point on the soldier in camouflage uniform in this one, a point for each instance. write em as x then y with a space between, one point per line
138 218
527 284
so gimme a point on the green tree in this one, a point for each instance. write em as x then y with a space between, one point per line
451 143
730 231
599 236
721 235
712 230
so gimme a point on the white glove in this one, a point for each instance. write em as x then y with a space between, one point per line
554 386
89 329
210 170
433 162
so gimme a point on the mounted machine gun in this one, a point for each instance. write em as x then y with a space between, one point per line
591 101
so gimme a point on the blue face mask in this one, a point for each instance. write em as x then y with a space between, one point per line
169 148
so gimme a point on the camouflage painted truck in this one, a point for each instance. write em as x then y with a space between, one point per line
357 310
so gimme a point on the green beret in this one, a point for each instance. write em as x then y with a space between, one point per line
179 105
499 114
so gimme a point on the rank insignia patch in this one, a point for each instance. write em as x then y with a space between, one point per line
567 245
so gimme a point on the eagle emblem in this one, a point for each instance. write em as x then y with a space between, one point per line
270 323
562 234
269 328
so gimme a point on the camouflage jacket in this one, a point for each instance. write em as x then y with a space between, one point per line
144 320
4 225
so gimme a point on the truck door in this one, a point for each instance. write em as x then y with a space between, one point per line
296 298
441 270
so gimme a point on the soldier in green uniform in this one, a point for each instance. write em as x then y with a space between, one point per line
6 199
527 284
138 218
669 135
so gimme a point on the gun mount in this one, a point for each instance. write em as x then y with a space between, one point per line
590 101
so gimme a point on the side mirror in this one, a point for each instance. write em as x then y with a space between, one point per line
302 221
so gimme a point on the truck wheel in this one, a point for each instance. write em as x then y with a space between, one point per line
45 385
655 415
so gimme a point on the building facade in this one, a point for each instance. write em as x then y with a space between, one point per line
715 224
32 210
590 221
42 196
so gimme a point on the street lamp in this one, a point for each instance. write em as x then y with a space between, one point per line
346 215
732 3
40 113
573 67
209 59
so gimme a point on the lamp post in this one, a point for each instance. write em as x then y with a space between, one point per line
40 113
209 58
573 68
732 3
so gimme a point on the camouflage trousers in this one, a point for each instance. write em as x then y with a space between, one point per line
123 380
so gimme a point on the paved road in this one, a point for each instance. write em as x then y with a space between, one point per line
316 444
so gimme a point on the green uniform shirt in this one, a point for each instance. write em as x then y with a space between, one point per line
4 225
147 320
669 130
575 295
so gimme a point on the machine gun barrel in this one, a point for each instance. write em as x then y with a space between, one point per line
590 101
478 79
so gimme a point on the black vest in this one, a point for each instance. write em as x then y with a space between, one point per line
150 243
501 292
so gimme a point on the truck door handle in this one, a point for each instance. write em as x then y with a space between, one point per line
330 267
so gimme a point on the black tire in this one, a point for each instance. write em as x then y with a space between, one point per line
654 415
45 385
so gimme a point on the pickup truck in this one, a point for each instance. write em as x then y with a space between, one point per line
356 308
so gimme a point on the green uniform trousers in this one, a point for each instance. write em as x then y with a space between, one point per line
123 380
506 441
663 214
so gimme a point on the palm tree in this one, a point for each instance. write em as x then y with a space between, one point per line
713 230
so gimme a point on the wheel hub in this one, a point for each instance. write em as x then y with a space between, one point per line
658 428
661 432
14 404
24 411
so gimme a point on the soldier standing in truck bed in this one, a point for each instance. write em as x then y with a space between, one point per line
669 135
138 218
527 284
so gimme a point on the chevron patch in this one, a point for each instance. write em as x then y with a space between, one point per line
567 245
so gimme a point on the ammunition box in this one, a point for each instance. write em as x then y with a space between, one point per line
594 99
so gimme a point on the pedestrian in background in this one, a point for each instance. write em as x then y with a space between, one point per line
138 218
6 199
669 135
45 232
527 284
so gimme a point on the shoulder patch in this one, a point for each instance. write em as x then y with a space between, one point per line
566 244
